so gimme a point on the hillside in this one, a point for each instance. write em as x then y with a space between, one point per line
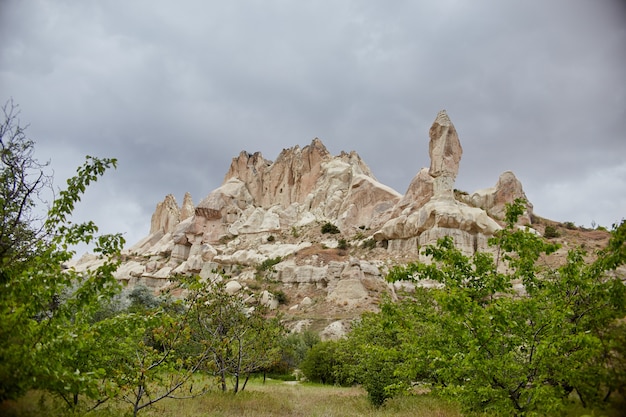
313 235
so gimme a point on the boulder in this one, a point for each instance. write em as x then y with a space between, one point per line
269 300
232 287
335 330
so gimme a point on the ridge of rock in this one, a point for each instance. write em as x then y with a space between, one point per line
275 209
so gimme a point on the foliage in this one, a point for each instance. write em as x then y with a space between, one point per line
343 244
281 297
551 232
238 340
157 363
369 244
294 348
330 228
22 179
481 342
45 332
371 354
268 264
320 362
570 225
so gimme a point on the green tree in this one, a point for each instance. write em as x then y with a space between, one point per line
160 364
239 339
46 308
294 348
503 352
321 362
22 179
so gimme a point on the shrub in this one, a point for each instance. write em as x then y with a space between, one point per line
268 264
343 244
281 297
570 225
330 228
550 232
320 362
271 238
369 244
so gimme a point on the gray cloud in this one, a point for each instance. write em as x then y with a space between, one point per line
174 91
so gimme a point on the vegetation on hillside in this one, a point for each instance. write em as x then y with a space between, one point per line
489 346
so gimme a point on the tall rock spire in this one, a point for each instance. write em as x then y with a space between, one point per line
445 153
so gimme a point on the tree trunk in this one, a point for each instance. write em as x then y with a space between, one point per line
245 382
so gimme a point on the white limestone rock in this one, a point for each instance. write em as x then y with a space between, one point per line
233 287
166 215
269 300
335 330
493 200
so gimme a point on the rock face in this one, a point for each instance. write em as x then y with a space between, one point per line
268 210
166 216
300 187
429 211
445 154
493 200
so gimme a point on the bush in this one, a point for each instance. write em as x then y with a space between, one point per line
271 238
281 297
570 225
550 232
268 264
343 244
330 228
320 362
294 349
142 299
369 244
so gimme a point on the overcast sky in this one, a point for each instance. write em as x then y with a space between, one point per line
175 90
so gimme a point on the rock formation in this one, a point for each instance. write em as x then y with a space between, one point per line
429 211
445 153
300 187
493 200
166 216
274 210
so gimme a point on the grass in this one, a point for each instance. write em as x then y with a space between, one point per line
275 398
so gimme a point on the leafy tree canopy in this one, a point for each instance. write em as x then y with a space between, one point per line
496 348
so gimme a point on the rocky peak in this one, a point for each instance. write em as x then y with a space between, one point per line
166 215
188 209
445 153
494 199
287 180
303 185
429 211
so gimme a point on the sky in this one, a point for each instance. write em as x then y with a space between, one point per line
175 90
